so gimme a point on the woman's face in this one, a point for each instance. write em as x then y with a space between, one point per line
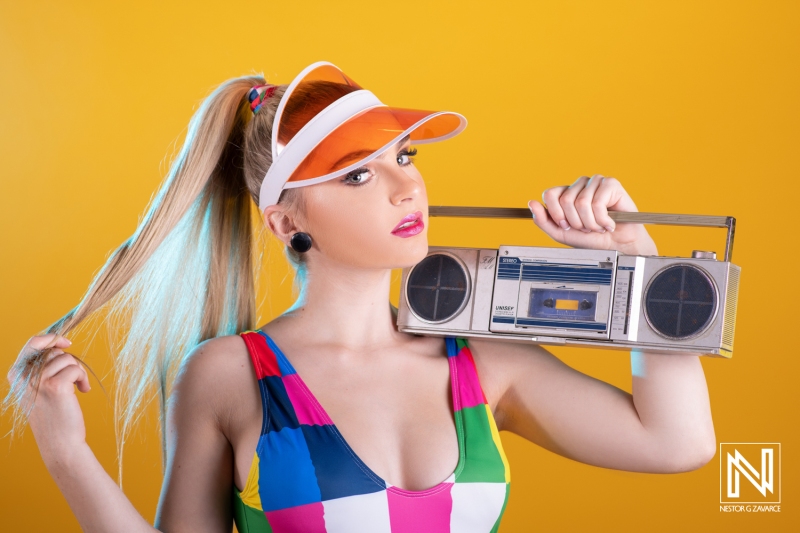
353 219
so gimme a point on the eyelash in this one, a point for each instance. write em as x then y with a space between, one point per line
410 153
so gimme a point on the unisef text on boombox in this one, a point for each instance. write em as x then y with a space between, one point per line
572 296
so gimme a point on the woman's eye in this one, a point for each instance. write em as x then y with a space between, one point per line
406 157
357 177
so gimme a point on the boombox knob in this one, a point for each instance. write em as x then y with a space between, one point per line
700 254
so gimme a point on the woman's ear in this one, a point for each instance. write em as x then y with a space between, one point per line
280 223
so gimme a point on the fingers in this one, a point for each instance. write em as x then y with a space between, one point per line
585 202
567 203
42 342
584 205
56 363
550 197
69 375
64 369
544 221
33 349
607 195
38 344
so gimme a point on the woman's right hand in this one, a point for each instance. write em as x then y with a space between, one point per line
55 417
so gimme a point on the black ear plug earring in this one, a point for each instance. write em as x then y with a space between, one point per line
300 242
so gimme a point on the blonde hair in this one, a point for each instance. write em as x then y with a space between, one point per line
187 272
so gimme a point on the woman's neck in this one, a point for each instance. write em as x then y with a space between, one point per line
345 307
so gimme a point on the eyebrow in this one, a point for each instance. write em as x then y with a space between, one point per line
358 154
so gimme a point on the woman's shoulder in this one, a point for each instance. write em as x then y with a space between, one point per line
499 355
219 358
218 374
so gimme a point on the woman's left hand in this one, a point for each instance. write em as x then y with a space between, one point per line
577 215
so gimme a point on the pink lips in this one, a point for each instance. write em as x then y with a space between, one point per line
412 229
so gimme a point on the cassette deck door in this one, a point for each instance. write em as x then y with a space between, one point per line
553 291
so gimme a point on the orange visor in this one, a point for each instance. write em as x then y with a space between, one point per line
326 125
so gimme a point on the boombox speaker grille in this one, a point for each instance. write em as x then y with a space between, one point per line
680 302
437 288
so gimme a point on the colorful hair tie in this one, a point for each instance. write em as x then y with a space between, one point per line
258 95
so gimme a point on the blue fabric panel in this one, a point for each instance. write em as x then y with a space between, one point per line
339 473
280 409
286 473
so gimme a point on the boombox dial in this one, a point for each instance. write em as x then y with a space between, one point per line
438 288
680 302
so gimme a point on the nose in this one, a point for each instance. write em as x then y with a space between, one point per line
404 186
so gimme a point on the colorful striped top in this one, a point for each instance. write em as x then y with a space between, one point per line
306 478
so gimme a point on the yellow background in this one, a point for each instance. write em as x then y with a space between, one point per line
692 105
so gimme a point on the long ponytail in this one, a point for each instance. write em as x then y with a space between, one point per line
185 275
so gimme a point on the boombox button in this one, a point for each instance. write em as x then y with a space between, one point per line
700 254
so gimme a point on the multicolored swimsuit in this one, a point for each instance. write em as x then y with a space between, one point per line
306 478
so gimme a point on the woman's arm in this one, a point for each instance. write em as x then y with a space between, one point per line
198 479
664 426
58 427
197 484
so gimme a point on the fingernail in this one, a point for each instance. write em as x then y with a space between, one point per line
609 228
564 225
586 230
69 341
533 215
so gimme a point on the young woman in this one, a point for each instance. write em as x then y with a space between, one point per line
328 418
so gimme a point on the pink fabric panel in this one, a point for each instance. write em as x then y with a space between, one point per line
429 513
306 409
469 388
306 518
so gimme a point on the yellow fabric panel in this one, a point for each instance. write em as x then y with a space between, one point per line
249 495
497 442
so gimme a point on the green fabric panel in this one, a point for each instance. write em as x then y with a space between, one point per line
461 343
483 462
247 519
496 527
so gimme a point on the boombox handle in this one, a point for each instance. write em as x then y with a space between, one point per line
622 217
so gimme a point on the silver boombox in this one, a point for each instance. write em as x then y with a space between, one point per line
576 297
